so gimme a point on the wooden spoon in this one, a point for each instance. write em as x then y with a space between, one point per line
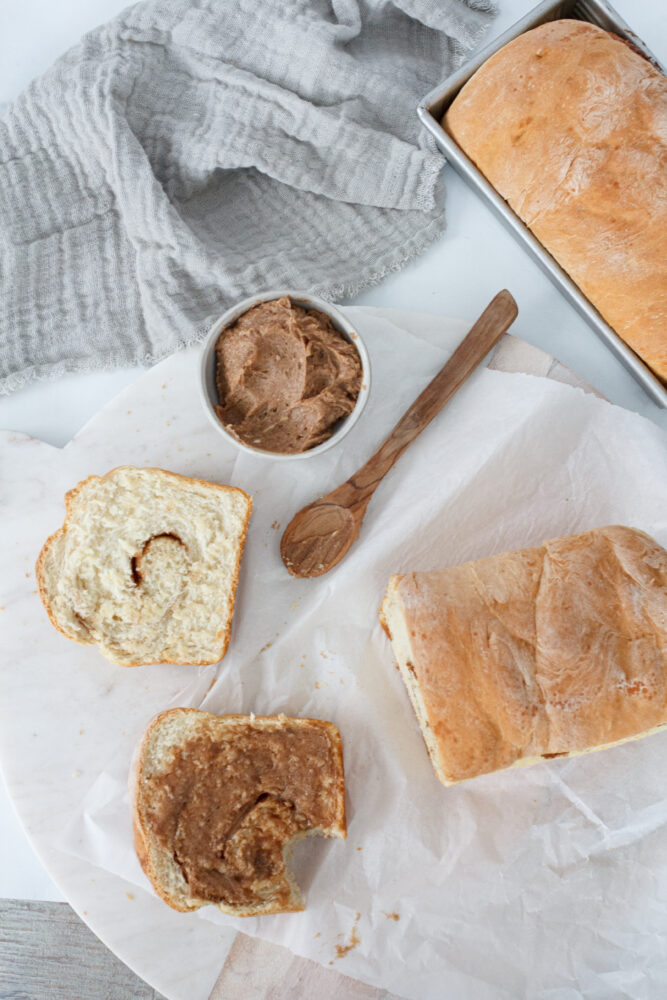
317 538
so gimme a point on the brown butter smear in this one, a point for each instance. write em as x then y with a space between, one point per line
285 376
225 809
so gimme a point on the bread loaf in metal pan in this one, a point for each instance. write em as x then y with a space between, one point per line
569 124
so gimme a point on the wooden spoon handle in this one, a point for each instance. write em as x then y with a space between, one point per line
487 331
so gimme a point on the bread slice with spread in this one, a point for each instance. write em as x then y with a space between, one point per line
220 801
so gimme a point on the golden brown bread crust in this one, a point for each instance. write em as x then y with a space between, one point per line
70 499
568 123
45 550
540 652
149 853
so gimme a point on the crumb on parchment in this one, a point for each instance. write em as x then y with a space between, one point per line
343 949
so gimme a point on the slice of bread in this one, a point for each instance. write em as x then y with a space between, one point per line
146 566
218 803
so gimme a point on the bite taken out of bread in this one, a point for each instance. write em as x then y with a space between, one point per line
543 652
146 565
219 802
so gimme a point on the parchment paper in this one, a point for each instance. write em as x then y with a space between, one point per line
544 882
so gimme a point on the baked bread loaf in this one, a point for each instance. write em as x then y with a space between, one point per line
219 802
569 124
544 652
145 566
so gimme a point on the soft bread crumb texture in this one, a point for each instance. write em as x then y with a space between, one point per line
229 813
551 651
569 124
146 566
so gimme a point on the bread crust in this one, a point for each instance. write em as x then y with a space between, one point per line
552 651
46 551
568 123
70 499
147 850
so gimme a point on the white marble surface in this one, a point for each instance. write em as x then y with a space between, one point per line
72 712
457 275
75 718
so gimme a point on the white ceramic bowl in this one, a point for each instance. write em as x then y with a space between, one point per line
209 392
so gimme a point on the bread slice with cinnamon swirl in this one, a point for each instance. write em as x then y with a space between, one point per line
145 566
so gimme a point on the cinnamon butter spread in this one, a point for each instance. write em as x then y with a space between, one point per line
285 377
226 807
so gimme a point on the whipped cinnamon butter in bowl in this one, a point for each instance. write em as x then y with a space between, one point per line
284 375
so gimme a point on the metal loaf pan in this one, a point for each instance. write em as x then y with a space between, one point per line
434 106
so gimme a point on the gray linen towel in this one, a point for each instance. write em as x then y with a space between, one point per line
192 152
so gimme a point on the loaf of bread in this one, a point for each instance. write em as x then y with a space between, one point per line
543 652
220 801
146 565
569 125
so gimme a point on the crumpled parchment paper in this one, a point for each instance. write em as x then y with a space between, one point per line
549 881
